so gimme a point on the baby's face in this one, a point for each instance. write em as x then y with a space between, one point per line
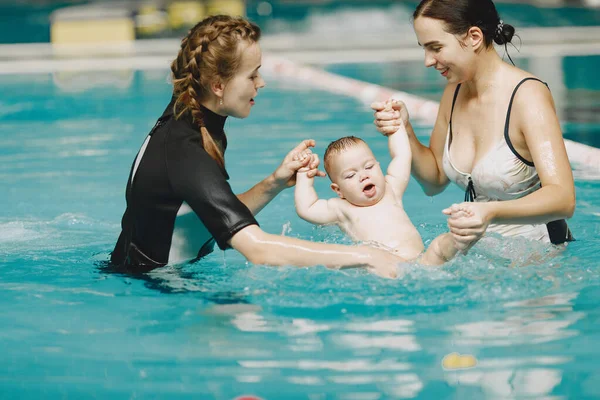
357 176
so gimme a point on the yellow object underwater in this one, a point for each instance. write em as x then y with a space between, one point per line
459 361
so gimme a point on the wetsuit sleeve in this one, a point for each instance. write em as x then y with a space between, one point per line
199 180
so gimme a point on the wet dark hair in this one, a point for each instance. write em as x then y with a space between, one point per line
461 15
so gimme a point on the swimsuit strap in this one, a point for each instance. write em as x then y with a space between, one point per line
452 110
470 194
506 125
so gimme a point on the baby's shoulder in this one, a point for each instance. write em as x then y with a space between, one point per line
393 186
338 204
341 207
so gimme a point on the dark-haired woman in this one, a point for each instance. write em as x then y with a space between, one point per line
179 202
497 134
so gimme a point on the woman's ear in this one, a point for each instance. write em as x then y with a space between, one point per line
336 189
475 38
217 88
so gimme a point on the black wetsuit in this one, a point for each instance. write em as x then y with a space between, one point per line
175 170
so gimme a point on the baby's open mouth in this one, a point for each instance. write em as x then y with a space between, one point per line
369 190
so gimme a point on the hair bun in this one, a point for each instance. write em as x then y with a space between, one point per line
504 33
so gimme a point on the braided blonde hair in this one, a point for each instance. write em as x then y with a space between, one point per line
209 52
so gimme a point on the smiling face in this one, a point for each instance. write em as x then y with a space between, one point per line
357 176
239 92
444 51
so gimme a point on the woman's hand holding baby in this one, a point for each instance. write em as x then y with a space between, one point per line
285 174
468 222
310 162
390 115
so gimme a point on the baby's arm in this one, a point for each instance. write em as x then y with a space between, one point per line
308 205
398 172
441 250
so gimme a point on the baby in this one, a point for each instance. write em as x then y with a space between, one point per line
369 204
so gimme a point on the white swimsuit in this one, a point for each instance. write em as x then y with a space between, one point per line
502 174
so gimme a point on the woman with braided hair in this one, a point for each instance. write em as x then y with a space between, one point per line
497 134
179 202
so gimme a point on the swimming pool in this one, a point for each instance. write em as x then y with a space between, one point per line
222 328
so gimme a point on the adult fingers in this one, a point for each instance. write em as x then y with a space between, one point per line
462 241
381 123
397 104
295 165
387 115
302 155
303 145
378 105
464 232
464 223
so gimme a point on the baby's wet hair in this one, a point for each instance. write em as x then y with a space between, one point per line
338 146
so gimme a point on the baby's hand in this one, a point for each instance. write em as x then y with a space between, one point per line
462 213
303 156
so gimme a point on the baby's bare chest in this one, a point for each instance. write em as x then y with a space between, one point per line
375 216
377 223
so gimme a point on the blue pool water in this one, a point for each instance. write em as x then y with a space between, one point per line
221 328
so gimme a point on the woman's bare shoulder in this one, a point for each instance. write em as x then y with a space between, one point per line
515 75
